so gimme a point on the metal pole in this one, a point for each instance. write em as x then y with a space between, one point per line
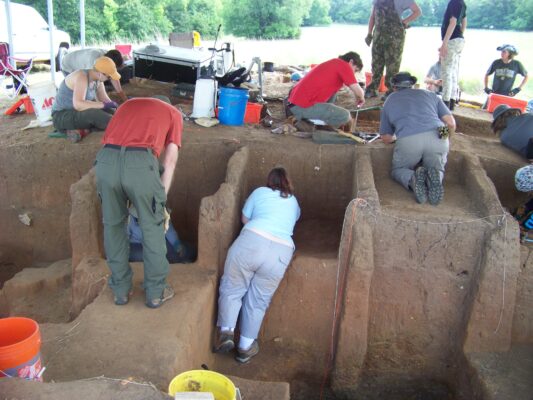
82 23
51 31
9 27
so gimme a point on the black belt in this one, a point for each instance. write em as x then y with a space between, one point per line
117 147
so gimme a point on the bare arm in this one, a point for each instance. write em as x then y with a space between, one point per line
101 94
486 81
78 83
371 22
118 88
443 50
170 159
524 81
244 220
359 94
449 120
416 12
463 25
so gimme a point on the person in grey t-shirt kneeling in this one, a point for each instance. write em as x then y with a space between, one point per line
419 123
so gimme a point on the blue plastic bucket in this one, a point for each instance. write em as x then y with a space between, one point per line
232 105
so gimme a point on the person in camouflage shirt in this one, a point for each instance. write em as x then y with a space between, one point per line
386 33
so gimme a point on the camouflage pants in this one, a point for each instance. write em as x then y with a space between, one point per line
387 52
450 69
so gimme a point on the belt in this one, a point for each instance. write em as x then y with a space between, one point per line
117 147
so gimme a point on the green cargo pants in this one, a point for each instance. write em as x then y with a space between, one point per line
124 174
331 114
88 119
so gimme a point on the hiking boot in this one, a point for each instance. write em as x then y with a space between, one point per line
305 126
223 341
167 294
243 356
122 300
435 188
369 93
419 187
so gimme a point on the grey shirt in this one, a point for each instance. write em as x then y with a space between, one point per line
64 98
80 59
518 132
410 111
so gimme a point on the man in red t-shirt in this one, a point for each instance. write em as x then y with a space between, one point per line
313 96
127 168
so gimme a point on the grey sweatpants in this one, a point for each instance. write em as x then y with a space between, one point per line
331 114
254 268
410 150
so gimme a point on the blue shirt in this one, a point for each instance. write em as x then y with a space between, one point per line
268 212
518 132
411 111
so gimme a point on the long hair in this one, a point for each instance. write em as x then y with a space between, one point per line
279 180
501 122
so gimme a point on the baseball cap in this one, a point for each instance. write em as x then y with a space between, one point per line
105 65
509 47
403 80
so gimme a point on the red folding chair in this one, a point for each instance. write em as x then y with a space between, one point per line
125 50
9 69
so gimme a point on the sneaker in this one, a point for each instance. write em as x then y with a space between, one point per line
122 300
369 93
75 135
223 341
167 294
435 189
420 188
243 356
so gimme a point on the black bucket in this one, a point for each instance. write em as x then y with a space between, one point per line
268 66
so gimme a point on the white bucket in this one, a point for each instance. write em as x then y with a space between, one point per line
204 98
42 95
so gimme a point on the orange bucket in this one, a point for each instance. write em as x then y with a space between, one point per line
20 345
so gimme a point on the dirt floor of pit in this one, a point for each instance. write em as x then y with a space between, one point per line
275 359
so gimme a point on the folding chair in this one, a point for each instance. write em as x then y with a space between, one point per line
8 68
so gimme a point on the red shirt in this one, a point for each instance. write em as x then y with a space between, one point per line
145 122
322 82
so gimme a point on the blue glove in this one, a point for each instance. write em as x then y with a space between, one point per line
514 92
108 105
487 90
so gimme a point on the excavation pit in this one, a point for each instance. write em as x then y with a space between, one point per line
423 294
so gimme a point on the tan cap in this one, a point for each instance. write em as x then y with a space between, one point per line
105 65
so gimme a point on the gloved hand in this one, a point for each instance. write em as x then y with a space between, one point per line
487 90
514 92
368 39
108 105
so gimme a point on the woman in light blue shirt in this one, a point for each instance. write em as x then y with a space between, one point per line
256 263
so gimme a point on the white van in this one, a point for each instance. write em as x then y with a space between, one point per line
31 33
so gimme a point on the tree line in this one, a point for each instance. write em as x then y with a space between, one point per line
138 20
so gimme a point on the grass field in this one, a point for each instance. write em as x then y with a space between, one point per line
318 44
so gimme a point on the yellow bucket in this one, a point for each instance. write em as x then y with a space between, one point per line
203 381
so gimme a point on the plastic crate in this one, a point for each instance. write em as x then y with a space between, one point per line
496 100
252 114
